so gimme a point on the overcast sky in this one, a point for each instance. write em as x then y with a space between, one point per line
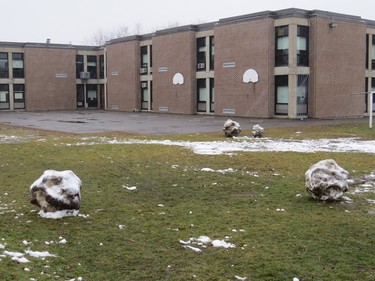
76 21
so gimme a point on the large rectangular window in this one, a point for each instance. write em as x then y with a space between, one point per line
212 52
79 65
205 95
302 45
282 95
373 53
4 68
202 95
19 96
144 60
372 89
80 95
302 94
91 67
18 69
201 54
282 46
212 94
4 96
91 95
146 96
101 67
367 50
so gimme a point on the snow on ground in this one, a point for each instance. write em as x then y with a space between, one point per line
251 145
203 242
232 145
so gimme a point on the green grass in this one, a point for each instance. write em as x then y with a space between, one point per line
311 240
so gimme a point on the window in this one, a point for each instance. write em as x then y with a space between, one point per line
206 95
144 59
18 71
202 95
373 53
367 50
212 94
201 54
4 96
79 65
80 95
282 95
91 95
302 45
151 57
19 96
101 67
282 46
373 95
302 94
91 67
4 71
212 53
146 96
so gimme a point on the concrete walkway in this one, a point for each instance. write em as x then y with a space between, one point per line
96 121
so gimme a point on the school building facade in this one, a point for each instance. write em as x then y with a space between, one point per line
290 63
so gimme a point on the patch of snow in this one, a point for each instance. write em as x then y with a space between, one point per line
255 145
129 187
240 278
20 260
222 244
58 214
193 248
203 241
38 254
229 170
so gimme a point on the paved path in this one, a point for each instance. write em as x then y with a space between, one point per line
96 121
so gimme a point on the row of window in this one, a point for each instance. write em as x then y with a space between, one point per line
372 51
18 95
91 67
282 46
17 65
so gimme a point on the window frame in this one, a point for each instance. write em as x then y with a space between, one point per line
281 55
18 72
4 73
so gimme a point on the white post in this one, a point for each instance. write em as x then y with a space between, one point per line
370 100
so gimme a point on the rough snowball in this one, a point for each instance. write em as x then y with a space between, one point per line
56 191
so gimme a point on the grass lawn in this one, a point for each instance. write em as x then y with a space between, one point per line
260 205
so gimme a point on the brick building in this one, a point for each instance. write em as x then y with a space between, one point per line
290 63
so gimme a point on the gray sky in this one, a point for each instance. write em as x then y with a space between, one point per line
75 21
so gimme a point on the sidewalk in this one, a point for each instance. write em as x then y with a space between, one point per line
97 121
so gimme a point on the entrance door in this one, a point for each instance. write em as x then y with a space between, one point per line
91 96
205 95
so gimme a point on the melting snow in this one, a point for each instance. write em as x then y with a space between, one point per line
37 254
203 241
58 214
254 145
